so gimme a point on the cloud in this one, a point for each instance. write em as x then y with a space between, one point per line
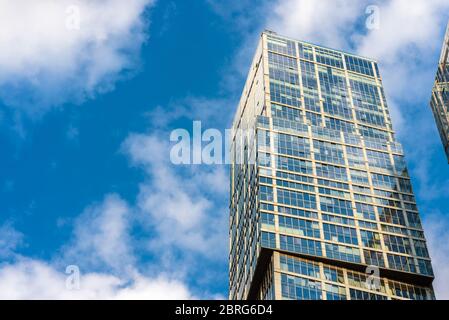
10 239
101 236
183 204
33 279
53 52
216 112
101 249
436 226
156 247
326 21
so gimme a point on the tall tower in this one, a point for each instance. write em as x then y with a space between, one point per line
321 203
440 95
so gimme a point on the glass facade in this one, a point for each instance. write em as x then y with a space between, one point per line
440 95
319 185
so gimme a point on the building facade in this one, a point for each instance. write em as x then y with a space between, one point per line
440 95
321 204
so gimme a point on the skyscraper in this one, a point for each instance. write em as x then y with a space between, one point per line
440 95
321 204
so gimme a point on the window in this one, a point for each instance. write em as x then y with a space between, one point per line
285 93
379 160
300 245
334 193
282 62
267 219
413 220
298 212
337 206
305 51
285 76
298 288
383 181
375 134
334 292
407 291
333 274
300 266
268 239
397 244
293 176
370 239
265 193
334 93
399 165
355 157
339 125
329 57
310 86
365 211
292 145
340 234
421 248
299 227
296 165
337 219
390 215
331 172
425 267
344 253
401 263
359 177
333 184
281 45
293 126
328 152
313 119
284 112
359 65
374 258
365 96
297 199
295 185
364 295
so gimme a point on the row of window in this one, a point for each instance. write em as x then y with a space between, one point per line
354 279
342 252
291 119
323 55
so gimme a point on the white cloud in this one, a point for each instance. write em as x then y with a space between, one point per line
436 226
180 203
101 236
182 216
46 60
407 27
34 279
326 21
215 112
10 239
102 250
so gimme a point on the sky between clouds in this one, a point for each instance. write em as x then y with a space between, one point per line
177 218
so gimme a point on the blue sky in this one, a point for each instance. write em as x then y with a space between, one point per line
85 117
